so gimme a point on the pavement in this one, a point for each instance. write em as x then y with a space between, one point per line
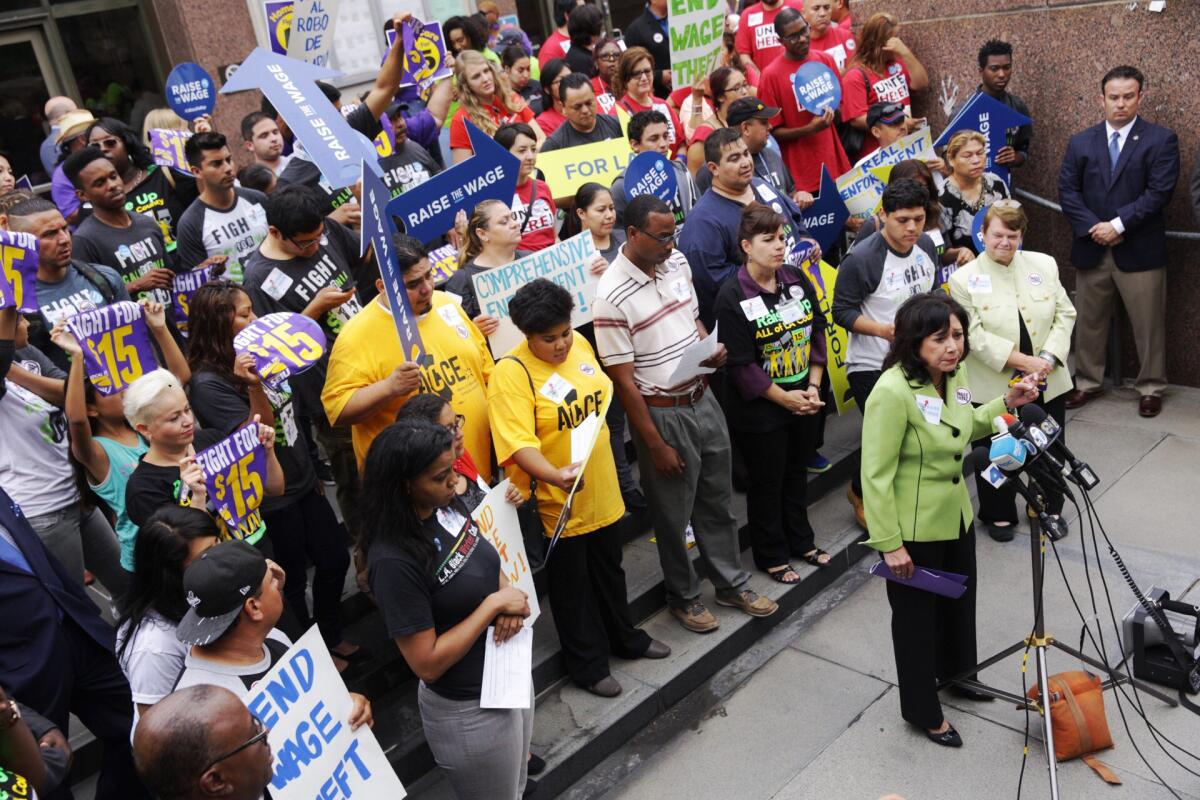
813 712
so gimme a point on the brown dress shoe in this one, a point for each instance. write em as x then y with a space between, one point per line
1077 398
1150 405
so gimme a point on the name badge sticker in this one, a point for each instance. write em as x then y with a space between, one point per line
979 284
680 289
789 312
754 308
1035 279
930 408
556 388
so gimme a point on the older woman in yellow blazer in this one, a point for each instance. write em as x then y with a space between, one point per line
1021 322
916 426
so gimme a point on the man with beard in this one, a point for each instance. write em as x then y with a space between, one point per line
369 379
226 219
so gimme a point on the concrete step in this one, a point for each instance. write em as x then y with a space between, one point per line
650 687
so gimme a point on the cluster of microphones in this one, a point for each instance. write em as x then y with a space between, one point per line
1033 444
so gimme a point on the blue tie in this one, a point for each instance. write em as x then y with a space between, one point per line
13 555
1114 150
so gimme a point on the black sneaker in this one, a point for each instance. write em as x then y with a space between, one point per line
324 471
530 787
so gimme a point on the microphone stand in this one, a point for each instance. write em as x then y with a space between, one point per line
1040 641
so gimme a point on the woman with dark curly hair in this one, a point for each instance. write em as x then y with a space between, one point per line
227 392
539 394
918 421
161 193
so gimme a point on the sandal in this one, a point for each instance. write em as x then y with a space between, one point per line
814 558
779 575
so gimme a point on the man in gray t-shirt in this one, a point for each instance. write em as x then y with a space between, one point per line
65 286
583 125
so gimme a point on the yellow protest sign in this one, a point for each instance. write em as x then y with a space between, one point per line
837 340
568 169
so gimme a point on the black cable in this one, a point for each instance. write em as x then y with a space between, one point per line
1102 657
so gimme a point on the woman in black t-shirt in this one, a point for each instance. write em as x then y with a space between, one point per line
226 392
772 326
438 583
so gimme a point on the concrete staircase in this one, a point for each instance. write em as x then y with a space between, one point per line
574 730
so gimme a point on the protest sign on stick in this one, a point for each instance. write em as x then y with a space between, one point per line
311 35
18 271
283 344
235 476
697 31
116 345
566 263
304 702
379 232
166 146
190 91
497 520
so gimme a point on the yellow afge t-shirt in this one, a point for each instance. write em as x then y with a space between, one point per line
368 349
562 397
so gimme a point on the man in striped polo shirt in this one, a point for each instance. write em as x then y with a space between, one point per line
646 314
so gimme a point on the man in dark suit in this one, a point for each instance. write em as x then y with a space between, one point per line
1116 180
650 31
56 653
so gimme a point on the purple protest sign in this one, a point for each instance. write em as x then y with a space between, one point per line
116 345
279 24
23 182
166 146
18 271
183 286
283 345
424 54
235 475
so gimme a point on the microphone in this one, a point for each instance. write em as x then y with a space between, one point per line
1034 417
1006 447
1008 453
1037 442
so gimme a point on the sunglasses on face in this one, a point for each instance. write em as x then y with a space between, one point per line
108 143
660 239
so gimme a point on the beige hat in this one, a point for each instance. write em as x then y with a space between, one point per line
73 124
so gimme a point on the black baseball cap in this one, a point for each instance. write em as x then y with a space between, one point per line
884 114
216 586
748 108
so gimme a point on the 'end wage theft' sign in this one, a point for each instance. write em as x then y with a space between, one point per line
697 30
307 707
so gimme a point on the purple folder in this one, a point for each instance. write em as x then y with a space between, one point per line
947 584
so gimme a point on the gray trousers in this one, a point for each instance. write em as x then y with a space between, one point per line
703 495
78 543
1144 295
483 751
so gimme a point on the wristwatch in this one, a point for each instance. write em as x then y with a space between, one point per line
1046 355
10 715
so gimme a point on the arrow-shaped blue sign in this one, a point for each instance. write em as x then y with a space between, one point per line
826 217
427 210
991 118
379 231
291 85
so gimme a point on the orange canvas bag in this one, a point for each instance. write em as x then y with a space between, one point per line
1078 719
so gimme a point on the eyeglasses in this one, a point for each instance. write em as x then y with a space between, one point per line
608 56
108 143
660 239
260 734
304 244
459 423
641 73
791 37
1006 202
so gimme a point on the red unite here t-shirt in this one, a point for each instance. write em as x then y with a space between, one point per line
838 42
605 102
538 232
459 140
803 156
553 47
756 35
856 98
675 134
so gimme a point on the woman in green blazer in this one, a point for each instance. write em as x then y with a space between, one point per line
917 424
1021 323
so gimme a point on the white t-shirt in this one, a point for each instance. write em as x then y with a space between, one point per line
152 661
237 679
35 466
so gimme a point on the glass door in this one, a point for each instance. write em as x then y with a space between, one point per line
26 82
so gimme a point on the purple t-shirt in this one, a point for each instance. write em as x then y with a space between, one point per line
62 192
